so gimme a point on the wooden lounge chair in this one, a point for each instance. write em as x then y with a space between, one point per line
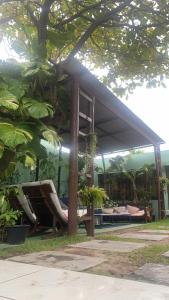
42 206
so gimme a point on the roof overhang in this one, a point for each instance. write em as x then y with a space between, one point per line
116 126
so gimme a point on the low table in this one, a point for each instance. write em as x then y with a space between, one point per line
99 218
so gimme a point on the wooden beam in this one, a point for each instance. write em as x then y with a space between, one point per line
73 171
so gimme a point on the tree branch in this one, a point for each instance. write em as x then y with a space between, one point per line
123 25
78 14
33 18
102 19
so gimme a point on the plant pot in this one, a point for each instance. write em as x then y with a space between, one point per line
16 234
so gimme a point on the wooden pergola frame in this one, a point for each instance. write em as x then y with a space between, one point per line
82 80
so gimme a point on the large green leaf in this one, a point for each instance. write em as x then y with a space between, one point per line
12 136
8 100
17 87
37 109
51 136
27 157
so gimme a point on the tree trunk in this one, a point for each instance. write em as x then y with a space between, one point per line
135 192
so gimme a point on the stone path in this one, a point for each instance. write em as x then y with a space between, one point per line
53 283
156 273
155 231
106 245
59 259
144 236
166 254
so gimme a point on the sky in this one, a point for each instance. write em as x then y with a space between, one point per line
151 105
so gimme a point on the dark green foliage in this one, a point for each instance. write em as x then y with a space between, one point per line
129 37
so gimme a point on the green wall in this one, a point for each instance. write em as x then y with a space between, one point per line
137 160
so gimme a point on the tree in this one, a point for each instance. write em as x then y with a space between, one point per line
23 115
128 37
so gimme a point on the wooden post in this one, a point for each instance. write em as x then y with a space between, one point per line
158 174
59 171
90 180
73 171
104 169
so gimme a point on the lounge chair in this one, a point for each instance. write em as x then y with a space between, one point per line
41 204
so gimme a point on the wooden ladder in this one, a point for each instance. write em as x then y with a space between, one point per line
89 118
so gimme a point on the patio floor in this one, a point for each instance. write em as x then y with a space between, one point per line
22 281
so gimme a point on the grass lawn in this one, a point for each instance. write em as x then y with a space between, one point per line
159 225
150 254
37 244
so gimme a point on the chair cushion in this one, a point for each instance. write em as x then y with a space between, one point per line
107 210
120 209
132 209
140 213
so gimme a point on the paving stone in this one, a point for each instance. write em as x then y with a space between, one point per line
114 246
9 272
166 254
54 283
144 236
163 227
157 273
155 231
59 259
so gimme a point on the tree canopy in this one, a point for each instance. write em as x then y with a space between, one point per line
127 37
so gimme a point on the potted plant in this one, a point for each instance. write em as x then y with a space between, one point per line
11 231
93 195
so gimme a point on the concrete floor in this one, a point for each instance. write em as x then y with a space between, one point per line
22 281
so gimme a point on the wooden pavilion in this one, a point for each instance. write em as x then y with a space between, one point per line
94 108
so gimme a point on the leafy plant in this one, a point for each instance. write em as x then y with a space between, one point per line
164 181
8 216
24 105
92 195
